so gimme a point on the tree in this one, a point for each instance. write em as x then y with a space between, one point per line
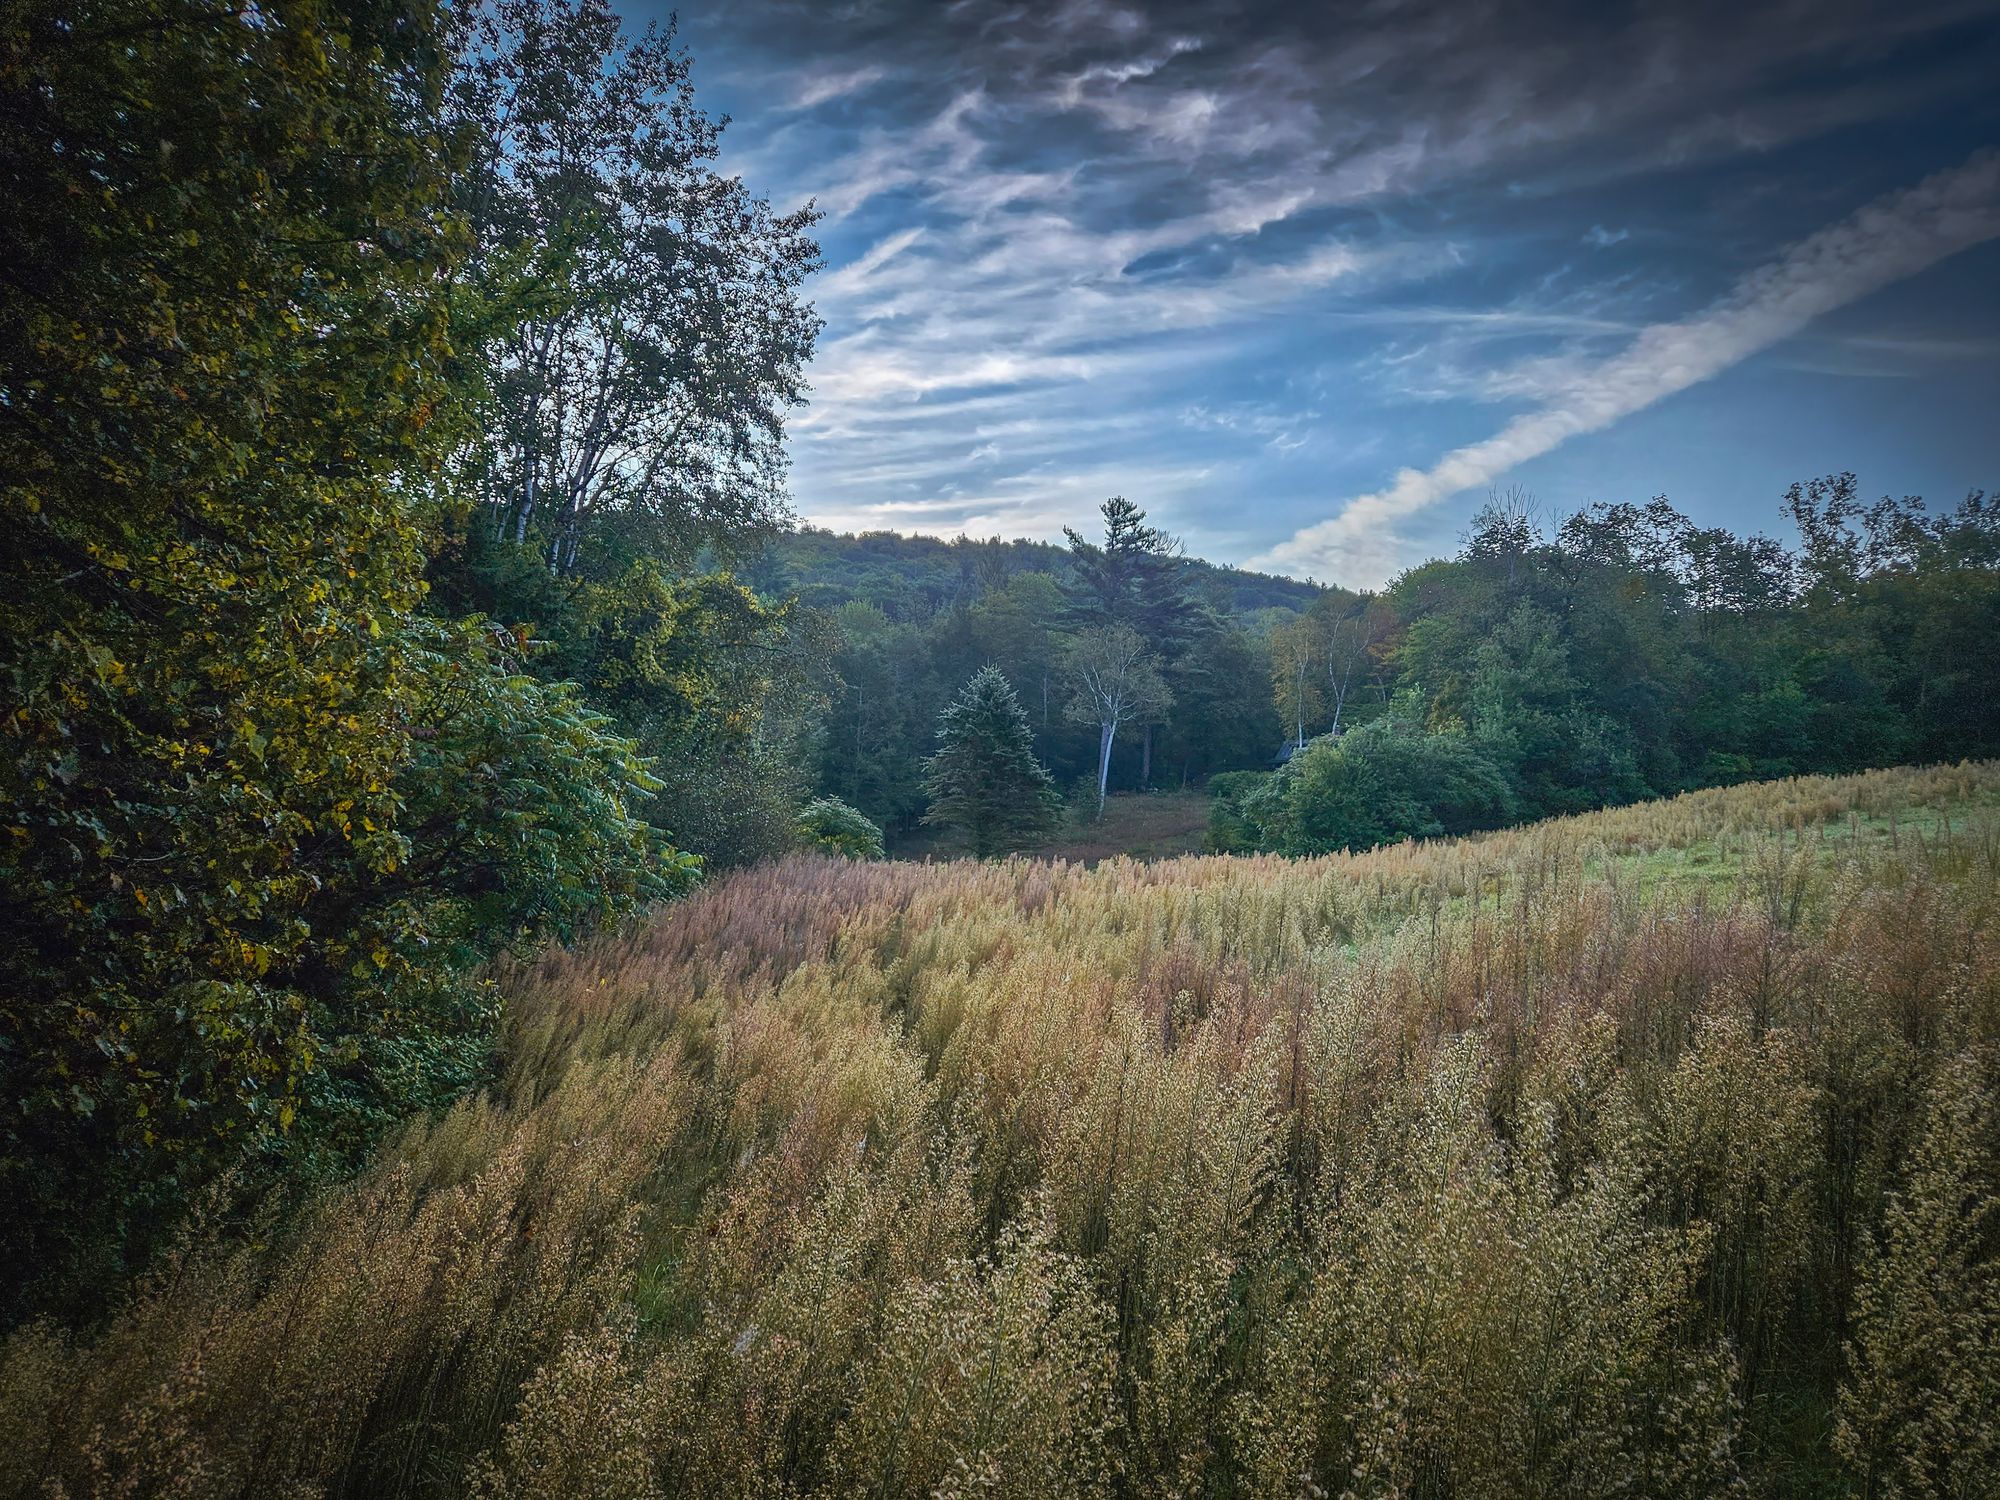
1137 578
1507 529
1116 681
1012 626
260 812
1376 784
634 325
1531 712
1295 675
984 780
644 337
1223 718
883 712
1120 582
1353 629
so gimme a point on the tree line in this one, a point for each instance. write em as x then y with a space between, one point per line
1628 653
1135 666
1621 653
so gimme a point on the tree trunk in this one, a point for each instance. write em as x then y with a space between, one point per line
1105 733
1299 704
527 507
1146 760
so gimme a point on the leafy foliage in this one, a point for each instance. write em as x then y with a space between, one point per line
649 337
829 825
634 337
258 814
1231 829
912 617
1634 654
1377 784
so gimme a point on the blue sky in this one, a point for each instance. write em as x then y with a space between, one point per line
1306 280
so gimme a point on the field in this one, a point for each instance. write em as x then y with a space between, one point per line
1139 825
1150 825
1652 1152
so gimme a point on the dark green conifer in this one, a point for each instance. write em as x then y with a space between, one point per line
984 780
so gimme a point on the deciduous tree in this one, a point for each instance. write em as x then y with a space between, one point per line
258 813
1115 681
644 333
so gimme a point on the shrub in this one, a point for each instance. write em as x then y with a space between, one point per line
828 823
1230 830
1379 784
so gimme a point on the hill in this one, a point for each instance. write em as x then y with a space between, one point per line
916 577
1652 1150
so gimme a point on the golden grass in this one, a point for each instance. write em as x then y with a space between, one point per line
1652 1152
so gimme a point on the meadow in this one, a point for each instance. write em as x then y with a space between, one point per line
1654 1152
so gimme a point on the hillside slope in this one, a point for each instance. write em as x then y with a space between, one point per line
1654 1151
915 577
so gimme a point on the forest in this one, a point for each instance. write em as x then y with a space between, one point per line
1625 654
465 1027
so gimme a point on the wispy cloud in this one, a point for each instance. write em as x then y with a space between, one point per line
823 86
1891 238
1054 231
852 278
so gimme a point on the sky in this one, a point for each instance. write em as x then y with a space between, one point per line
1307 281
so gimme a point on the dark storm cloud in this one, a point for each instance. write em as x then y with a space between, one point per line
1192 250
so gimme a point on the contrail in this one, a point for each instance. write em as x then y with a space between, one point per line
1885 241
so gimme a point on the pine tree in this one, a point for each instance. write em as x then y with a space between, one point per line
1138 580
984 779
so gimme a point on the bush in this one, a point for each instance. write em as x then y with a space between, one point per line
831 826
1230 830
1378 784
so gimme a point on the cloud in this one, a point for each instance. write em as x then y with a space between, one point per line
1890 239
817 88
1054 229
854 276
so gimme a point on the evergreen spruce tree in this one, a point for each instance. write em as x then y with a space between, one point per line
984 779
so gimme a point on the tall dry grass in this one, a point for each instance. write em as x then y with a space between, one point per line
1655 1152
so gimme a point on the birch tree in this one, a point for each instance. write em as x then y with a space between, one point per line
1116 680
1347 649
1294 674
